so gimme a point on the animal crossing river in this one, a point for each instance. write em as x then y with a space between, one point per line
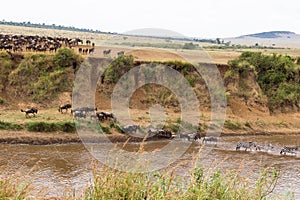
55 170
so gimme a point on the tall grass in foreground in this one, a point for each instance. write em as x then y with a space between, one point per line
113 184
10 188
201 183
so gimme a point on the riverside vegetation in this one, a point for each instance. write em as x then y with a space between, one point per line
267 82
40 78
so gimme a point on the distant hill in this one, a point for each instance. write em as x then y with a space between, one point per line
270 34
282 39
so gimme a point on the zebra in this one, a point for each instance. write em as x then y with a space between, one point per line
291 150
267 147
78 114
210 139
246 145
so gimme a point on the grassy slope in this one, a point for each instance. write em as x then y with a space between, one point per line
238 111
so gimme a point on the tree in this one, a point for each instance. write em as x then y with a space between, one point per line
66 57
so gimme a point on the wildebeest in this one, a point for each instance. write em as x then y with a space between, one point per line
130 128
100 116
106 52
210 139
291 150
190 136
107 115
18 43
64 107
91 50
246 145
121 53
30 111
160 133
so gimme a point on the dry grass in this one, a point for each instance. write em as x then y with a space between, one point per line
199 183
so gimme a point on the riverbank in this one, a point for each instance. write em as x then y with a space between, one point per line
38 138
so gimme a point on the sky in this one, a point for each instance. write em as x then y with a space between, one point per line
193 18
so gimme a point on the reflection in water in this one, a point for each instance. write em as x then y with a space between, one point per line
58 169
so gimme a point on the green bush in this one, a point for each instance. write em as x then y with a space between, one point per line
117 68
42 127
105 129
68 127
10 126
1 101
111 124
119 129
50 127
277 75
66 57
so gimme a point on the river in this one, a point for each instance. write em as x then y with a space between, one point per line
56 170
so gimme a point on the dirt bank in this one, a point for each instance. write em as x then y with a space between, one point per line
34 138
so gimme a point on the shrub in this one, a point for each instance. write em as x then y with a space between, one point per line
42 127
105 129
111 123
190 45
117 68
119 129
1 101
9 126
50 127
68 127
277 75
66 57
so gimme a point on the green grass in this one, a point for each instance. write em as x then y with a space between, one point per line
106 129
232 125
224 185
51 126
10 126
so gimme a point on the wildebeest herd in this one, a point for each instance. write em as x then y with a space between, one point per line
93 113
35 43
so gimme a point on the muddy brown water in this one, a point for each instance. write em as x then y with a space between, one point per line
55 170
